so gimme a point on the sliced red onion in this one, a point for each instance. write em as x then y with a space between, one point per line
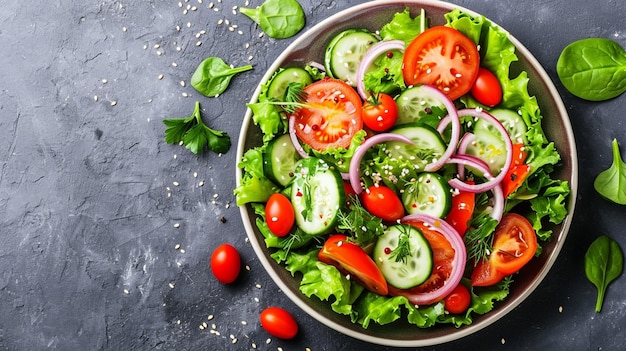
451 118
491 181
294 138
382 47
465 141
458 263
481 166
355 162
317 65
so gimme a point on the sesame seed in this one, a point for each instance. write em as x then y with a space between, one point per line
113 103
175 183
268 341
502 341
176 225
244 323
174 64
182 251
185 94
95 98
201 183
126 292
258 286
177 246
161 76
198 43
171 285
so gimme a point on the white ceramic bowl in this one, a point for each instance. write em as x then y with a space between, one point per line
309 47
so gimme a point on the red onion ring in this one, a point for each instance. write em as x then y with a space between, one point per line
369 57
451 118
498 195
294 138
492 181
458 264
355 162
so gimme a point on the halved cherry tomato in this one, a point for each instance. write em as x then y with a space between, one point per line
380 112
279 214
443 57
351 259
462 209
382 202
514 245
485 274
225 263
279 322
332 114
459 300
486 88
518 171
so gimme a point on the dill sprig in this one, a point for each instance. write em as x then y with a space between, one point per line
403 250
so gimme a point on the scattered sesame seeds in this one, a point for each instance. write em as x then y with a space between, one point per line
209 317
126 292
176 225
113 103
201 184
161 76
177 246
258 286
175 183
171 285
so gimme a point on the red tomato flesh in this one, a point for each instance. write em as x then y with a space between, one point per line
517 172
461 211
442 57
351 259
279 322
459 300
332 115
279 214
382 202
225 263
486 88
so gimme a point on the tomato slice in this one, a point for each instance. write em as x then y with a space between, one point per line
462 209
443 57
351 259
514 244
517 172
332 115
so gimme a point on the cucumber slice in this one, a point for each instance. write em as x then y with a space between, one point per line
280 160
344 53
283 77
428 144
512 122
490 148
317 193
404 271
428 194
417 103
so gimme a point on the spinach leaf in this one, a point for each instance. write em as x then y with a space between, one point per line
611 183
593 69
603 264
213 76
277 18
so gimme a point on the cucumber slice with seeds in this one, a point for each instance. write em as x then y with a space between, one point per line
428 194
280 159
345 51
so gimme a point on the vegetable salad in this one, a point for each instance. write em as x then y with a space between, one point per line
405 174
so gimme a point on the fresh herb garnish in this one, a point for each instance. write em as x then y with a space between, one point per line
213 76
403 250
593 69
604 262
362 226
611 183
479 238
277 18
194 134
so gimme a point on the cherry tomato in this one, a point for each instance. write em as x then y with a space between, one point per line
459 300
225 263
380 112
279 322
442 57
332 115
351 259
486 88
349 190
461 210
382 202
514 245
518 171
279 214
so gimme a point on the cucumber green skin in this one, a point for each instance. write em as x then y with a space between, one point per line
315 185
278 85
280 159
416 195
331 53
418 266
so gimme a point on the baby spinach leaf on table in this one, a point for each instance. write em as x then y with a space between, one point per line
593 69
194 134
611 183
603 263
213 76
279 19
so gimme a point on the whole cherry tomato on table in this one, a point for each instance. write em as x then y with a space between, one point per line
279 322
225 263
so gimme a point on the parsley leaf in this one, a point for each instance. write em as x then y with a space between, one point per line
194 134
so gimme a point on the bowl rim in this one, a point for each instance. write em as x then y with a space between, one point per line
493 316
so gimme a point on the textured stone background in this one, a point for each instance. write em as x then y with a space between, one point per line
90 216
